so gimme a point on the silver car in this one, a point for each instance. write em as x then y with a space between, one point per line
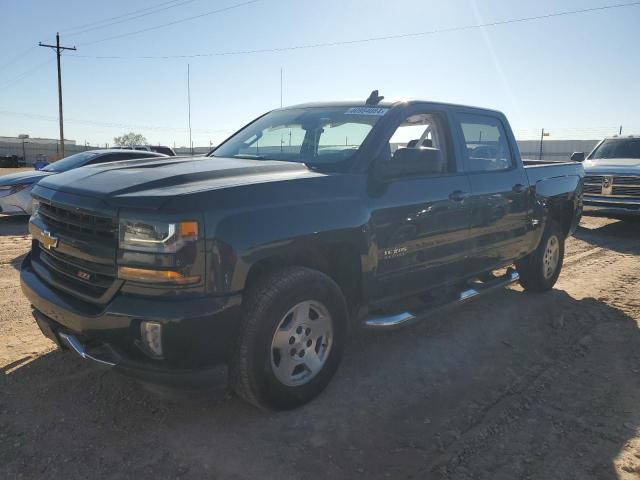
15 189
612 177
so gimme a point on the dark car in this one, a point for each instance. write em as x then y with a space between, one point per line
309 222
15 188
612 182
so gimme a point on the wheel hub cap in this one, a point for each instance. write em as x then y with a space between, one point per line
551 257
301 343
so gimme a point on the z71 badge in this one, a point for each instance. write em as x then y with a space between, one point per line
394 252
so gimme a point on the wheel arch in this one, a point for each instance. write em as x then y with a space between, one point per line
339 259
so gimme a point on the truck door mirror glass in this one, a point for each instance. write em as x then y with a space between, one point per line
406 162
577 157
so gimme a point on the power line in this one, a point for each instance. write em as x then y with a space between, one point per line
17 57
356 41
27 73
175 22
92 123
124 15
83 28
129 18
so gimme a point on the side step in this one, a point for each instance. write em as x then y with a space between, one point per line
397 320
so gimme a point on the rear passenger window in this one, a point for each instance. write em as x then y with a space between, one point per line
486 147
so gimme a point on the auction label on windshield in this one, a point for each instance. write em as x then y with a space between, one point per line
376 111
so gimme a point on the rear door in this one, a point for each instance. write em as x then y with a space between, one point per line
421 222
499 204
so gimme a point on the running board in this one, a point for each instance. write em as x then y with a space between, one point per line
397 320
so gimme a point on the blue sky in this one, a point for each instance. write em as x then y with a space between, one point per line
577 76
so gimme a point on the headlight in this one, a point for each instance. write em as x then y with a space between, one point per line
18 188
161 237
11 189
152 251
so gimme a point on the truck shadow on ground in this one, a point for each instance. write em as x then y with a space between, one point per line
513 385
620 236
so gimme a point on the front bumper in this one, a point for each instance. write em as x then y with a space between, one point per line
611 206
197 332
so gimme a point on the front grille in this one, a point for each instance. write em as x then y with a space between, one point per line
88 278
593 184
593 179
83 263
597 189
67 220
631 191
621 186
635 181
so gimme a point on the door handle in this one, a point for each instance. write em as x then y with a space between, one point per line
458 196
519 188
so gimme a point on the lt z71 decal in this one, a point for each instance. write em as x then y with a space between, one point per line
394 253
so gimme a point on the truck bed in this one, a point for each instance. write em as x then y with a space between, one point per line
540 170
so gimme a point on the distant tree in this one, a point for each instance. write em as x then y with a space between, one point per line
130 139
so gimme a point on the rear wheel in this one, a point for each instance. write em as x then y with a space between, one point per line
539 271
291 341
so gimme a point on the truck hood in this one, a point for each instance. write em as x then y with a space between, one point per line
156 178
613 165
21 178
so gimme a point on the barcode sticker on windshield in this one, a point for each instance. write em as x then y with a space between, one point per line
376 111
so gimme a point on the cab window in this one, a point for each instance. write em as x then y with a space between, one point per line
416 133
486 147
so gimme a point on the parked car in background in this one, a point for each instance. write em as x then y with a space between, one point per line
11 161
310 222
612 177
152 148
40 163
15 189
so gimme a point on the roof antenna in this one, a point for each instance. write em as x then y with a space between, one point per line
374 98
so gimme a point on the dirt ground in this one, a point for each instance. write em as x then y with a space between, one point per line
7 171
511 386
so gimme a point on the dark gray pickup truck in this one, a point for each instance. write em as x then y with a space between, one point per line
310 222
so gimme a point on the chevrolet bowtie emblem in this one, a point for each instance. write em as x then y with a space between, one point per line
48 241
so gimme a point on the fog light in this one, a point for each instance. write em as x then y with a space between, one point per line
152 337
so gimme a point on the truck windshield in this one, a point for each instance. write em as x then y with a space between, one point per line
617 148
316 136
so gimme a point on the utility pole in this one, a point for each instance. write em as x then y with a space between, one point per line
620 133
280 87
542 135
189 100
24 154
59 49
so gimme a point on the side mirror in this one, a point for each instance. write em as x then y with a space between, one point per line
407 162
577 157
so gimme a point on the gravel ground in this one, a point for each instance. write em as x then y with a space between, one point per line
511 386
7 171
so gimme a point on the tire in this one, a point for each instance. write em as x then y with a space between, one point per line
539 270
295 320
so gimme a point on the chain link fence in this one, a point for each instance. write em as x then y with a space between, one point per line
27 153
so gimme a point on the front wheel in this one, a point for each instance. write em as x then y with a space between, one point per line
540 269
291 341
